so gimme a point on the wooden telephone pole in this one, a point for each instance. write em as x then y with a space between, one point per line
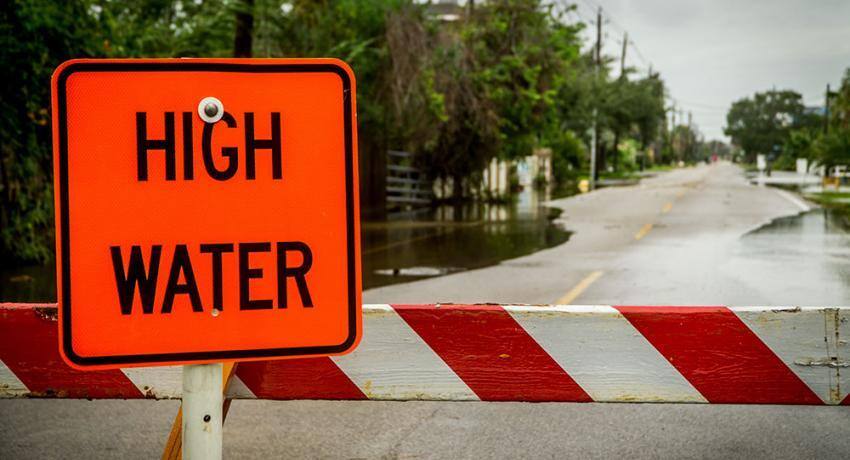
594 173
623 56
826 112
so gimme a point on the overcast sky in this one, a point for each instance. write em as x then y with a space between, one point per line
713 52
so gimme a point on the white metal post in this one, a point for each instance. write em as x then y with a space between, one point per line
203 400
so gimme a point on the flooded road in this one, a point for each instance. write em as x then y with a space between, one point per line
405 247
692 236
797 260
450 239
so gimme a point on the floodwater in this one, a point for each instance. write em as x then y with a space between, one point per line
404 247
28 284
447 239
797 260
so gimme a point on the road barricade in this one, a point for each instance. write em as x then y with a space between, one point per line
760 355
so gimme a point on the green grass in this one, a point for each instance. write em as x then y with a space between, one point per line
831 199
837 204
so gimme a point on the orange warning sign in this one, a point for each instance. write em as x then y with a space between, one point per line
206 210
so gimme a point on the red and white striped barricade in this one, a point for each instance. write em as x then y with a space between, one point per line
762 355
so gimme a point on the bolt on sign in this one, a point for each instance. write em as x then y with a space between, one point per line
206 210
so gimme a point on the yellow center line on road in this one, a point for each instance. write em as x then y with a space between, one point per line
643 231
579 288
667 207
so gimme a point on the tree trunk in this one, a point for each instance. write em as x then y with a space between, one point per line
243 42
457 187
600 158
616 156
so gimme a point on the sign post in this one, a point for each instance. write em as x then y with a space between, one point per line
207 212
203 400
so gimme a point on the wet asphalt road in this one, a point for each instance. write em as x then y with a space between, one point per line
667 241
681 238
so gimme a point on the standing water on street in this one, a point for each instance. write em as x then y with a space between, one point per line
405 247
451 238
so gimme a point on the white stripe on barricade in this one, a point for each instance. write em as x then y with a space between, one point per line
10 385
602 351
808 340
393 362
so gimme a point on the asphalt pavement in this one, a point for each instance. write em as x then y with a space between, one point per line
676 239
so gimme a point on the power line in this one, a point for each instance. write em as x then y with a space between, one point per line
596 9
592 5
639 54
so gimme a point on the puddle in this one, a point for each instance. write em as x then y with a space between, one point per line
418 271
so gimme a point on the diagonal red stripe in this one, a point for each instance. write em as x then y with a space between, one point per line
30 348
719 355
300 378
491 353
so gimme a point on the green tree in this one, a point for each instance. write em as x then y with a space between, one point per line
839 113
500 72
833 148
568 128
512 41
763 123
800 144
35 37
388 44
649 116
468 132
166 28
634 109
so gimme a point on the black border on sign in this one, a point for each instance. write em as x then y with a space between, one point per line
64 211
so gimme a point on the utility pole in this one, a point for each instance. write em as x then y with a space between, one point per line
598 37
826 125
826 112
673 132
690 133
615 158
623 56
594 142
682 141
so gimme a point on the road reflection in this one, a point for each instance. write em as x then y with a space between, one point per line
802 259
447 239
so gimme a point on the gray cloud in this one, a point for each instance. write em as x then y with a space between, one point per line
714 52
